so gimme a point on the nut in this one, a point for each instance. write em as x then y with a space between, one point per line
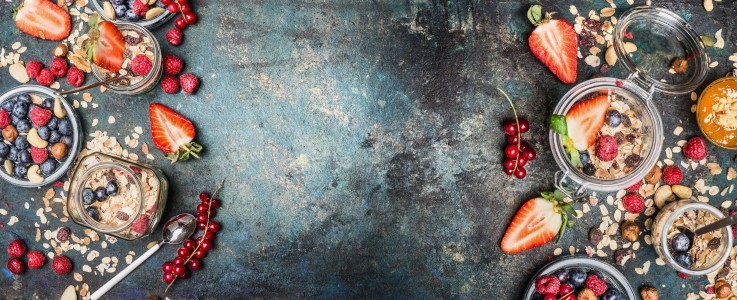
154 12
18 72
35 140
61 50
610 56
586 294
680 65
630 47
107 7
653 177
708 5
8 167
59 150
59 110
33 175
722 288
662 195
9 133
630 231
36 99
69 293
682 192
649 293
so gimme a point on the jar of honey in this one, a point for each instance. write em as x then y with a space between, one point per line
716 112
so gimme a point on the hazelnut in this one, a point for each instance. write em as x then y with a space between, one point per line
653 177
9 133
649 293
630 231
723 289
61 50
59 150
586 294
680 65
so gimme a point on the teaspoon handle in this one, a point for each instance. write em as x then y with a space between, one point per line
716 225
118 278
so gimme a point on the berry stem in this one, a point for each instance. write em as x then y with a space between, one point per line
516 120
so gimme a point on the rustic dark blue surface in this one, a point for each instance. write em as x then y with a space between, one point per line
360 142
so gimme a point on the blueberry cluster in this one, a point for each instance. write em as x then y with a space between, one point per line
89 197
680 244
124 9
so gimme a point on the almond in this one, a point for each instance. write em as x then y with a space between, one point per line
610 56
154 12
69 293
107 7
630 47
18 72
36 99
8 167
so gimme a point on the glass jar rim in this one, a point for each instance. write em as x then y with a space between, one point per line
153 23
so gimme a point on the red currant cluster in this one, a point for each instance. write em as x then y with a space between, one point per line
190 255
517 151
180 6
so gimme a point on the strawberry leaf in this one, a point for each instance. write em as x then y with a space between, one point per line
535 14
559 195
572 152
558 124
562 228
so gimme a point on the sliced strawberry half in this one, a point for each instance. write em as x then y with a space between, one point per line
585 119
536 223
106 45
43 19
172 133
554 43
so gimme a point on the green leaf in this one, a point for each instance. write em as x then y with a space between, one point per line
559 195
562 228
570 223
548 195
535 14
569 209
558 124
572 152
707 40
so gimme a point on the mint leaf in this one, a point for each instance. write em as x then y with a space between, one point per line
558 124
562 227
535 14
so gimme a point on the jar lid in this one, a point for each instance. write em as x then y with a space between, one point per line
648 41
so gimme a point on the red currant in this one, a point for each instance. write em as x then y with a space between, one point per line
190 18
168 277
509 164
201 226
523 145
204 196
206 245
172 7
195 264
565 289
185 8
202 218
202 208
550 297
511 151
177 261
529 154
182 1
186 274
167 267
180 23
214 226
521 161
513 138
509 171
183 252
165 2
200 253
215 203
524 126
209 235
189 244
520 172
179 270
510 127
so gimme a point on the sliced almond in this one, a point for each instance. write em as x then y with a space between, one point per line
607 12
630 47
682 192
708 5
610 56
662 195
59 110
33 175
18 72
36 99
107 7
154 12
35 140
69 293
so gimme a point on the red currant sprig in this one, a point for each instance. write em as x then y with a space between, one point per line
181 6
190 255
517 152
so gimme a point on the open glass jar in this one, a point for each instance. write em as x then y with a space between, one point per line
117 197
138 40
660 37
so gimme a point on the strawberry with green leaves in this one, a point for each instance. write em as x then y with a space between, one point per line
106 45
43 19
537 222
580 127
173 133
554 43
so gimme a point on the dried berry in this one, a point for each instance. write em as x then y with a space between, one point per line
63 234
619 136
680 65
621 256
632 160
714 243
591 24
626 121
595 236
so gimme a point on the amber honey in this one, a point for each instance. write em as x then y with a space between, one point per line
711 116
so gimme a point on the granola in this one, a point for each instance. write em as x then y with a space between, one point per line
706 248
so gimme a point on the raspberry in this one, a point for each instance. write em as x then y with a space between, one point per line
682 275
39 155
140 8
59 67
596 285
45 77
173 65
39 116
16 265
140 225
17 248
190 83
635 187
61 264
141 65
695 149
633 203
33 68
4 118
170 84
174 36
606 148
672 175
75 76
36 259
547 285
586 294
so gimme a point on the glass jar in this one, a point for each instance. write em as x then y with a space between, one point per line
610 274
719 95
662 36
72 141
150 24
117 197
148 45
664 222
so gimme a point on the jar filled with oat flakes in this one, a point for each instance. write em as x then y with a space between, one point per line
607 133
138 41
117 197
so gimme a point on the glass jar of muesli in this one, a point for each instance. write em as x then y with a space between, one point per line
138 40
629 142
117 197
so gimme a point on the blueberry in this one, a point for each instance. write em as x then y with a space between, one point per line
53 123
24 156
20 109
589 169
680 243
15 120
4 150
612 294
613 118
8 105
13 153
24 98
23 126
131 16
44 133
48 167
100 194
584 155
684 259
577 277
20 170
67 140
562 275
48 103
121 2
111 188
54 137
120 10
21 142
93 213
88 196
65 126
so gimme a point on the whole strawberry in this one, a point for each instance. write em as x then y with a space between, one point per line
173 65
45 77
672 175
33 68
75 76
61 264
633 203
17 248
36 259
596 284
695 148
190 83
174 36
59 67
170 84
141 65
16 265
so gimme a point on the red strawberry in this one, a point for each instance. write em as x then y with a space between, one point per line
4 118
33 68
40 116
585 119
170 84
190 83
141 65
173 65
59 67
16 265
140 8
45 77
174 36
172 133
555 43
695 148
39 155
36 259
61 264
75 76
106 44
633 203
535 223
43 19
17 248
672 175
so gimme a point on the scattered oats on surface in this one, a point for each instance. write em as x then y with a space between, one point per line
557 251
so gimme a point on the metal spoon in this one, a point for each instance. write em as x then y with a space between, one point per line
176 230
691 235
